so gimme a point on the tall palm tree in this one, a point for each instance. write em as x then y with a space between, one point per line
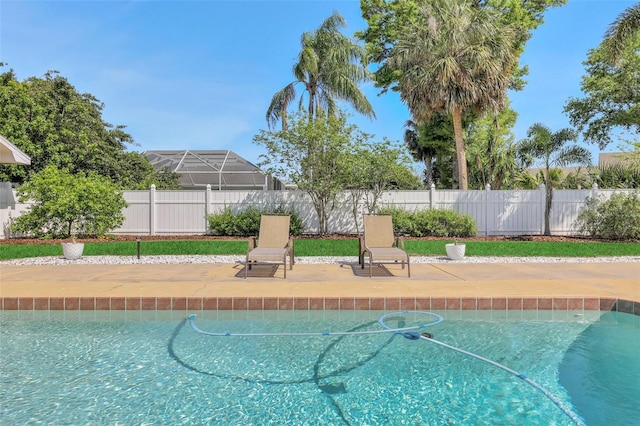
330 66
621 32
542 143
456 59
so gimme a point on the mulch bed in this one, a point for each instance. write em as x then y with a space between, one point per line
112 238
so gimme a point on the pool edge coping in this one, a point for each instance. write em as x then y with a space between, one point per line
151 303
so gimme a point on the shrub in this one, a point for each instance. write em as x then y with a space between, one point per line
617 218
431 223
403 221
67 205
246 223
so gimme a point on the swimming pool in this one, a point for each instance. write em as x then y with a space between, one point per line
148 368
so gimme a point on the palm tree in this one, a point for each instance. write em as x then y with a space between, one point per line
621 32
330 66
543 144
456 59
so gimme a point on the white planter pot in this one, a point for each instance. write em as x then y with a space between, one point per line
455 251
72 251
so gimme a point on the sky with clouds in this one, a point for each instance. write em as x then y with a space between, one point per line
201 74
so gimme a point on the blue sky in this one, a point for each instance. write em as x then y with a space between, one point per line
201 74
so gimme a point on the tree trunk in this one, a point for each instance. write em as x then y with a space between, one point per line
547 207
460 152
428 171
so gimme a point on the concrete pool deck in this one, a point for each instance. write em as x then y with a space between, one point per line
553 286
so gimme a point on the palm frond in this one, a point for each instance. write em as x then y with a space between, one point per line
621 32
278 107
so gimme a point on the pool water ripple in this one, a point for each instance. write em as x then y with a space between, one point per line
57 370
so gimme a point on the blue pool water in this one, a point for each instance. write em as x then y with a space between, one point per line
152 368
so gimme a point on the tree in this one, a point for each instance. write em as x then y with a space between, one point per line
491 150
420 149
430 143
67 205
542 143
621 33
461 62
370 168
612 100
330 66
308 152
388 20
55 125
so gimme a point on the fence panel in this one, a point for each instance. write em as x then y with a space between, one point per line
501 212
137 213
180 212
513 212
565 208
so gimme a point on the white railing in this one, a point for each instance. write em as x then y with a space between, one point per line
503 212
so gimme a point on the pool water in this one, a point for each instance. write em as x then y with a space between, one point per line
152 368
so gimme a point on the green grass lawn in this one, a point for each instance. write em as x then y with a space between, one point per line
330 247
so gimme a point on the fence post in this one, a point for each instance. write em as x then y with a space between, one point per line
543 204
432 195
594 190
6 196
152 210
487 194
207 208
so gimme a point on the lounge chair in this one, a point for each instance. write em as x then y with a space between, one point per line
273 244
380 245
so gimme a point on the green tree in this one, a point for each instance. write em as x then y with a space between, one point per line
330 66
430 143
388 20
621 33
67 205
552 149
420 149
308 152
370 168
461 61
612 96
55 125
491 150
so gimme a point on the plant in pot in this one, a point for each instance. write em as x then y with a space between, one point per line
455 250
72 250
65 205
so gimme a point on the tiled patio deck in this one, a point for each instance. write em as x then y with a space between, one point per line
450 286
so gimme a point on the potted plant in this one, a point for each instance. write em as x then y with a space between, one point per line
72 250
65 205
455 250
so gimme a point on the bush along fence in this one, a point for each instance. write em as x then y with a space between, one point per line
503 212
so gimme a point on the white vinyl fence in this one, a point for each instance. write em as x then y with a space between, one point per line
503 212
